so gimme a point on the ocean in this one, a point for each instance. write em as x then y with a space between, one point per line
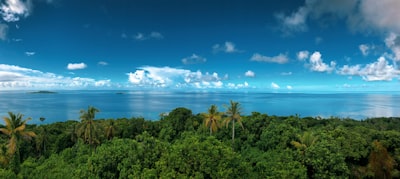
66 105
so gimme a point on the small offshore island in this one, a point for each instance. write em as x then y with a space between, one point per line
42 92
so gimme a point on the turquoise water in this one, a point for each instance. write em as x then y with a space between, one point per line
65 105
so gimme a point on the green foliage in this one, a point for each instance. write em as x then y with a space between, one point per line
324 159
278 135
178 121
179 146
275 164
5 173
201 157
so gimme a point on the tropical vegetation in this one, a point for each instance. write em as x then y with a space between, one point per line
186 145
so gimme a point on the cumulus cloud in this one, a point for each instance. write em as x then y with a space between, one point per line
102 63
238 86
3 31
364 48
289 87
141 36
149 76
296 22
76 66
281 58
364 16
102 83
359 14
380 70
194 59
12 10
303 55
15 77
317 64
227 47
393 42
30 53
249 73
274 86
156 35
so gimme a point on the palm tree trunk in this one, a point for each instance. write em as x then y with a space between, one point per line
210 129
233 132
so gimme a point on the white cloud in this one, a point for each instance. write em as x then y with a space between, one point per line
3 31
17 40
227 47
289 87
12 10
303 55
15 77
382 15
360 15
393 42
103 83
281 58
238 86
350 70
249 73
380 70
296 22
286 73
76 66
102 63
149 76
317 64
156 35
194 59
30 53
140 36
274 86
364 48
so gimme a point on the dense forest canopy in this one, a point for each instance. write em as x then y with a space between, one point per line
221 143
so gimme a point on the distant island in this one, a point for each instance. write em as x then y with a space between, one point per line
43 92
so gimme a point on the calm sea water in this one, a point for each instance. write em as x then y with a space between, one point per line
65 105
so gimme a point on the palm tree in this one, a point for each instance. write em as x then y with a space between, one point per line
89 128
15 129
41 140
110 130
212 118
233 113
305 141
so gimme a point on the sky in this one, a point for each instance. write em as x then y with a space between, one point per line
205 45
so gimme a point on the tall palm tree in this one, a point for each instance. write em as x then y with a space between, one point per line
110 130
233 112
15 129
89 128
212 118
42 139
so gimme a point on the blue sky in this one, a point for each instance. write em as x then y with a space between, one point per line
208 45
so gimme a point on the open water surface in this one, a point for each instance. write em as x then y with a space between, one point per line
65 105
